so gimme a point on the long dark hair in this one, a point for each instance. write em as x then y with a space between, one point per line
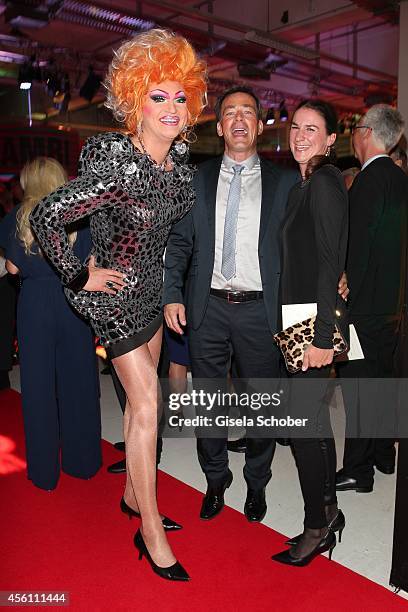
328 113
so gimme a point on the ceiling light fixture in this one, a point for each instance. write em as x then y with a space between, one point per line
283 112
29 72
270 116
266 40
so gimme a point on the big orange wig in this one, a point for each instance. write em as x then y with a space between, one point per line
152 57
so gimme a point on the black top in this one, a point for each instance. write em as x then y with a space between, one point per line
314 244
375 267
132 204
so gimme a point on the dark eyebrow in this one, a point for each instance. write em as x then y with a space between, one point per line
235 106
307 125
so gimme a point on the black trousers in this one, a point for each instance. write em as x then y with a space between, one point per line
370 405
315 456
238 331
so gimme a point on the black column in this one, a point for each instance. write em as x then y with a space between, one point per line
399 569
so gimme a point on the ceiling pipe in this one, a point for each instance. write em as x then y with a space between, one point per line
237 43
207 17
239 27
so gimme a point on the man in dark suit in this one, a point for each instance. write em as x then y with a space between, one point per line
232 267
376 271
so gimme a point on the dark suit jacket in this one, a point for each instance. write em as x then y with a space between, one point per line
377 240
191 245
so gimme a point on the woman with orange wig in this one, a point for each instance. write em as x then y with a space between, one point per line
134 186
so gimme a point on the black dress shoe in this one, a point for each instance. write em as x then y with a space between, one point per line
237 446
117 468
167 523
385 468
213 501
346 483
255 505
120 446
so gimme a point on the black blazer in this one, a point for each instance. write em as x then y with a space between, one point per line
378 239
189 260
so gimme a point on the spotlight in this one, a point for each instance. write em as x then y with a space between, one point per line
283 111
270 116
25 76
91 85
28 73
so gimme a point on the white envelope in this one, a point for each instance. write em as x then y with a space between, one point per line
295 313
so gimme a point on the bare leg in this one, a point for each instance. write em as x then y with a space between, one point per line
137 373
154 346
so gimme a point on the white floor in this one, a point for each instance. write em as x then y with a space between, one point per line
366 545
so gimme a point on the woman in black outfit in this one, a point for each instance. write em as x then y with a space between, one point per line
314 242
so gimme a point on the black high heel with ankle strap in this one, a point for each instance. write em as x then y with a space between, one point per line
167 523
338 523
326 544
173 572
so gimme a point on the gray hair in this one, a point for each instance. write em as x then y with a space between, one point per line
386 123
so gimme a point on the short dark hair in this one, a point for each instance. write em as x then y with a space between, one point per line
233 90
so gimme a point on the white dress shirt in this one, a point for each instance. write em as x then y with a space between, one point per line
247 275
371 159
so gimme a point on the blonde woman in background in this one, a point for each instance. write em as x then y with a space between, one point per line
59 381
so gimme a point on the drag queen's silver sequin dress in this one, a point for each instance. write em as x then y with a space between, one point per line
132 204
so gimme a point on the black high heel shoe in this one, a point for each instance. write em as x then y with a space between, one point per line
326 544
173 572
167 523
338 523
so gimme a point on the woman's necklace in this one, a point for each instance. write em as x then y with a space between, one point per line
167 161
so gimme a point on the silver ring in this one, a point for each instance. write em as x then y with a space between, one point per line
109 284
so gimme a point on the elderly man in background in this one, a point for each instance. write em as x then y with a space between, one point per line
376 271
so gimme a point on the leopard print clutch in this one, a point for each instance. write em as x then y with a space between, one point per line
294 340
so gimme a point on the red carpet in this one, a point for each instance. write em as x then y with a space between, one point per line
75 539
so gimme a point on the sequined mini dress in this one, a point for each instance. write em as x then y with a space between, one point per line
131 203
